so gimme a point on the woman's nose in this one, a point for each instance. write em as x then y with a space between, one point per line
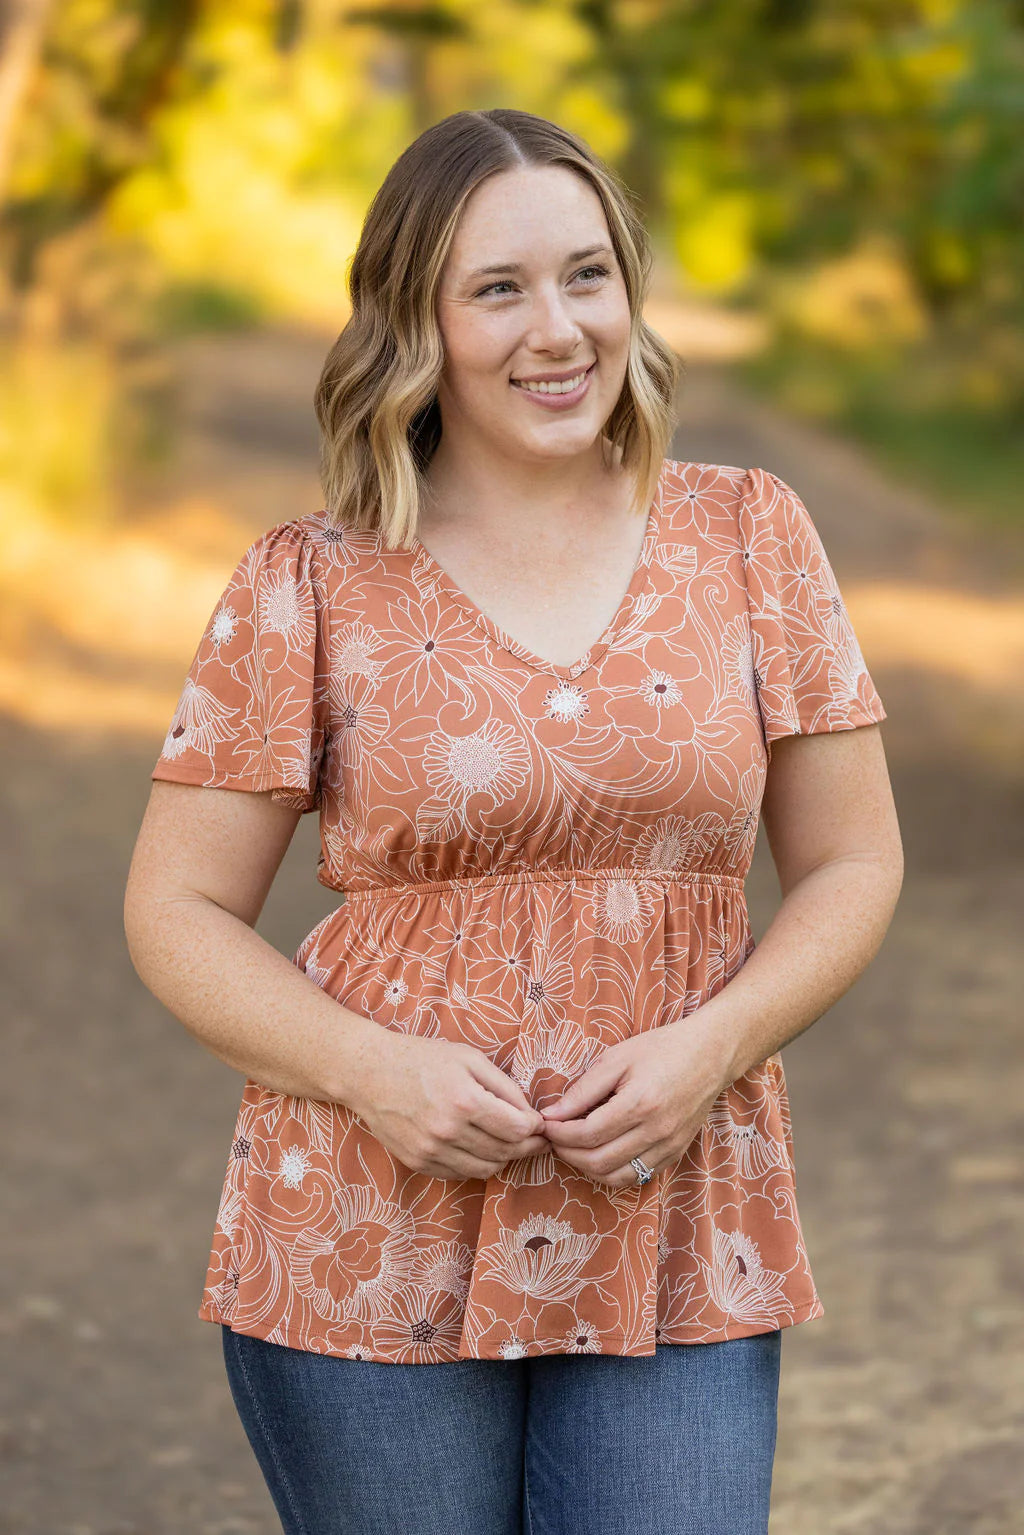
552 324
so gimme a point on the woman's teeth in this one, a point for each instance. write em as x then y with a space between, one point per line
566 387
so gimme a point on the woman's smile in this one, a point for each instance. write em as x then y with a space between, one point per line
557 396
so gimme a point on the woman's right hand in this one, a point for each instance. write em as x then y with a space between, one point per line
444 1108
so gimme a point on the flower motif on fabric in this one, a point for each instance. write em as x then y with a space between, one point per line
200 723
282 611
358 1351
666 845
358 725
352 651
566 702
550 983
558 1049
621 907
491 761
422 1326
316 972
662 690
224 626
444 1266
738 654
583 1338
756 1153
351 1266
544 1258
395 989
849 667
437 650
229 1212
738 1283
339 546
295 1164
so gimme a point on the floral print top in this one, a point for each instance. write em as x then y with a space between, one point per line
540 860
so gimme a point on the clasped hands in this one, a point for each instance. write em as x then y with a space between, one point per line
446 1109
646 1096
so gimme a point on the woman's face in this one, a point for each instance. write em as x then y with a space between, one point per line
554 302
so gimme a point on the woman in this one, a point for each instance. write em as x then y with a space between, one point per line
508 1235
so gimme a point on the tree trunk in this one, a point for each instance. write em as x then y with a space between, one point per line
21 42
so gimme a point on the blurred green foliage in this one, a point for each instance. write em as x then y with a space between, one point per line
850 171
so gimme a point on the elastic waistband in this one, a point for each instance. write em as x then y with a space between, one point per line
567 876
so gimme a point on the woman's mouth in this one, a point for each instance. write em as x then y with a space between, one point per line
560 395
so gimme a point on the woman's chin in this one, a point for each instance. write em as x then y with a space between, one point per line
555 438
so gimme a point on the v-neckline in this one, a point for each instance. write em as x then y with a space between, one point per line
638 583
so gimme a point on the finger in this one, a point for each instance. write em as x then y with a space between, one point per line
477 1142
496 1081
529 1148
588 1090
608 1122
506 1121
520 1118
459 1165
505 1125
611 1163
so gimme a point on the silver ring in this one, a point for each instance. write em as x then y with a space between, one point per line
644 1174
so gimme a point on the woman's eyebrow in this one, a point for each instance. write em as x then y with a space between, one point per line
517 266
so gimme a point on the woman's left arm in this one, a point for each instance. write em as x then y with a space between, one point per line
832 828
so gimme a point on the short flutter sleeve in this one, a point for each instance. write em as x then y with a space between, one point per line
809 672
253 710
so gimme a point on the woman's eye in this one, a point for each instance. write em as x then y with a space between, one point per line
602 271
506 282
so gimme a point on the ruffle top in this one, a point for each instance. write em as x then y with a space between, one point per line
539 860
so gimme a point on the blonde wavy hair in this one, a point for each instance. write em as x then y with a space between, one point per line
376 399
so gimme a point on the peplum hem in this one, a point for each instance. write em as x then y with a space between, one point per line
355 1348
325 1237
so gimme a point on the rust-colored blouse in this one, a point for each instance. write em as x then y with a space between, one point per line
539 860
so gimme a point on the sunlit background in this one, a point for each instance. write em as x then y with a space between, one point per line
835 192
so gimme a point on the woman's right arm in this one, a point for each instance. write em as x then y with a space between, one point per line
202 868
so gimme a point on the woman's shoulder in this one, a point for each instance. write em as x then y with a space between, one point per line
316 540
730 493
701 499
696 474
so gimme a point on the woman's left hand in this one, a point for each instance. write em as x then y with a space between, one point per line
662 1083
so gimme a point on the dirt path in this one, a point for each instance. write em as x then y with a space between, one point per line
901 1410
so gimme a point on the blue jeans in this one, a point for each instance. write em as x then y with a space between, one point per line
679 1442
